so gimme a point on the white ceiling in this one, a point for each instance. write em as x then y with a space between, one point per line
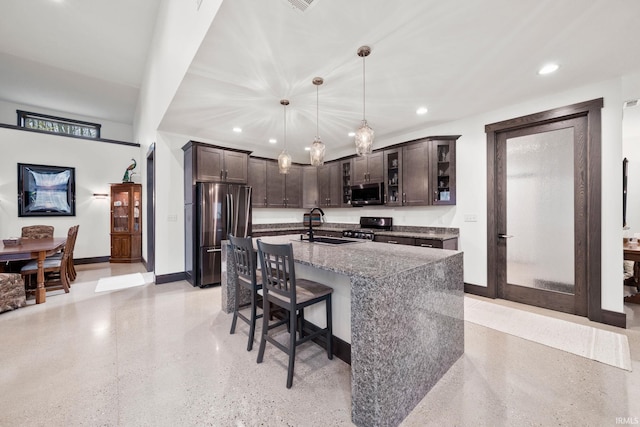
458 58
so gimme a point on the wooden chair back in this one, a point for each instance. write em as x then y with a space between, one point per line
245 258
278 271
37 231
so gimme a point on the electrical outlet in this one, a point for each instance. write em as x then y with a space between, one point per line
471 218
172 218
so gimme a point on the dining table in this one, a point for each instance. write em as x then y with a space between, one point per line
37 249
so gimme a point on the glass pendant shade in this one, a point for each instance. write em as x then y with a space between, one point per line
284 159
317 152
284 162
364 139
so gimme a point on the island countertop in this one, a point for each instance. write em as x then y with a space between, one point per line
404 309
363 258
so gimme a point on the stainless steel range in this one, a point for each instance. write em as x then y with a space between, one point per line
368 227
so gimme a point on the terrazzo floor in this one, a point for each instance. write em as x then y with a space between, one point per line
163 356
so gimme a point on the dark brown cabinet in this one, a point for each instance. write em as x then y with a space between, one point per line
257 179
309 187
442 165
393 176
126 222
395 240
345 168
284 190
451 243
415 174
329 185
214 164
368 168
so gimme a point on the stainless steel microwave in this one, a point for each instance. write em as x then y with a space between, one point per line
367 194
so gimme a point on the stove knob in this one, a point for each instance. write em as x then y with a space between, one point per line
370 237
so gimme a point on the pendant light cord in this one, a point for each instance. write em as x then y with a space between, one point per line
285 126
364 90
317 113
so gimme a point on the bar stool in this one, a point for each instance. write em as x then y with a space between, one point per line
281 288
246 261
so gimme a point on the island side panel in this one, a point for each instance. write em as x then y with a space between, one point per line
228 280
407 331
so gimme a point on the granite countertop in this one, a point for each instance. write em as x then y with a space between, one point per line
362 258
418 234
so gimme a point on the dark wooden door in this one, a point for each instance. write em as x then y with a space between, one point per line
257 179
275 186
541 215
415 181
235 167
293 187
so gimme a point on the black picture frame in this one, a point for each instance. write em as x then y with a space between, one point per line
46 190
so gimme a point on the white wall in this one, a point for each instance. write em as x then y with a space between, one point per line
180 29
631 150
97 164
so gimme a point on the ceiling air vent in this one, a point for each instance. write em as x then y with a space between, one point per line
631 103
301 5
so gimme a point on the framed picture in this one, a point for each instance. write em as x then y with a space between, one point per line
46 190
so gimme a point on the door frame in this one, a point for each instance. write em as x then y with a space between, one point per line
151 208
591 236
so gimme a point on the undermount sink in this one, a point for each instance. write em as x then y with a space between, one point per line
331 240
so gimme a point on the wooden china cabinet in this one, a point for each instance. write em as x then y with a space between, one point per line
126 222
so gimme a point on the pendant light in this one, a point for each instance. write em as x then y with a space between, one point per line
364 135
317 147
284 159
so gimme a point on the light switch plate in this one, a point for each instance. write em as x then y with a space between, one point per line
470 218
172 218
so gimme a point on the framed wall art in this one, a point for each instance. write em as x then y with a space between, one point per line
46 190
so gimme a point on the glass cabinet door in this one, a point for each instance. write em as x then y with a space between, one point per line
120 211
136 210
346 182
393 176
443 175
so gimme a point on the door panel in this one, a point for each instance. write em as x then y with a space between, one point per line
541 206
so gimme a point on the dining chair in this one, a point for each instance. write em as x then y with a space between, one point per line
37 231
72 236
281 288
55 269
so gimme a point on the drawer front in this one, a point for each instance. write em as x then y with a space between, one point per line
395 240
429 243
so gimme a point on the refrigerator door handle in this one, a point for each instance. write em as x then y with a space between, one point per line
214 250
247 217
227 200
233 221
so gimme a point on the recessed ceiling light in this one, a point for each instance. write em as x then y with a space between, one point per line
307 148
548 69
272 140
421 111
237 130
352 134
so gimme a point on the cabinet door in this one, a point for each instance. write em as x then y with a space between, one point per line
415 176
324 184
375 166
209 163
443 172
359 173
393 176
309 187
335 185
235 167
275 186
120 246
293 187
346 167
257 179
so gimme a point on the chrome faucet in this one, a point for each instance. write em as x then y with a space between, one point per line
310 232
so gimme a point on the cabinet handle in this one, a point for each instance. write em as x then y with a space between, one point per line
424 245
221 172
404 198
392 241
265 201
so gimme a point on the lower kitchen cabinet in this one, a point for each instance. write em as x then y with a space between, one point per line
394 240
438 243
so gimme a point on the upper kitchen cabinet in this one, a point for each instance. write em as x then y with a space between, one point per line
309 187
368 168
329 185
284 190
393 176
442 165
415 174
257 180
215 164
345 169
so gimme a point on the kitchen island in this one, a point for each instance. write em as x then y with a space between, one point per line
400 307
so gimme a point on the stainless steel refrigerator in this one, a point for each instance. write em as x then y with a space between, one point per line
222 209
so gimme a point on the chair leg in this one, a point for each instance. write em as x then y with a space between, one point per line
329 329
292 347
252 326
236 306
265 328
301 322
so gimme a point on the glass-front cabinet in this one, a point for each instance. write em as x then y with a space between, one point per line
443 171
346 182
393 176
126 222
